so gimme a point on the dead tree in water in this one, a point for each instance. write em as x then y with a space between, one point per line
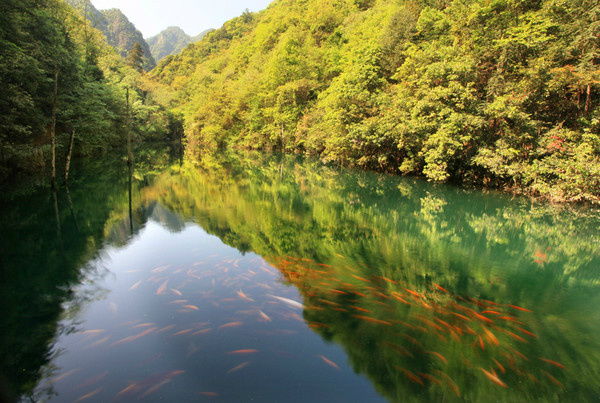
69 155
53 129
128 129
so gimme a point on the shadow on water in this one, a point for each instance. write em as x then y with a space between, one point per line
433 292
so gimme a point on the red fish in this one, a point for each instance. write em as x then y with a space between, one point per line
329 362
238 367
414 378
160 290
438 355
483 318
527 332
552 362
416 294
494 378
500 366
134 337
439 287
245 351
88 395
231 324
519 308
369 319
209 394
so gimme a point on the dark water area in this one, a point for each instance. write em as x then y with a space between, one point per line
271 279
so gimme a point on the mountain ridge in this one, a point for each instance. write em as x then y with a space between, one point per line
170 41
119 31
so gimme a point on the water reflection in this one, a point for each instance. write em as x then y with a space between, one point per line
177 285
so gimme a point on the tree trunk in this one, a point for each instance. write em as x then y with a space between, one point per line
128 128
588 98
53 129
69 155
130 191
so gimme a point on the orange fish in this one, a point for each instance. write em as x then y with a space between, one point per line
129 388
438 355
246 351
527 332
411 376
192 307
143 325
87 396
359 308
500 366
492 312
439 287
134 337
243 296
553 379
416 294
186 331
160 290
369 319
515 336
483 318
329 362
552 362
360 278
231 324
264 316
460 316
431 378
135 286
238 367
176 292
491 337
201 332
494 378
450 382
92 331
519 308
210 394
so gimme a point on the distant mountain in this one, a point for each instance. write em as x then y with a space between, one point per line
119 31
171 41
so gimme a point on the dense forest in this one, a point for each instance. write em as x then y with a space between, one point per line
120 33
500 93
65 90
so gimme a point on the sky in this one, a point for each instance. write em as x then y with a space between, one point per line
193 16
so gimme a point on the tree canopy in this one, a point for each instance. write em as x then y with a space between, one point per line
490 92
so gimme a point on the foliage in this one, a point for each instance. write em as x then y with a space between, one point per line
171 41
470 91
118 30
39 38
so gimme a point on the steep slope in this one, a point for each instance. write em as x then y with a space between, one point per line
497 93
171 41
122 34
91 84
119 31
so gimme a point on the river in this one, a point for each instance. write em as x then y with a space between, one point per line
269 279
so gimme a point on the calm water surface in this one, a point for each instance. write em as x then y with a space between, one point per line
276 280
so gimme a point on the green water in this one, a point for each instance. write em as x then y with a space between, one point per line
270 279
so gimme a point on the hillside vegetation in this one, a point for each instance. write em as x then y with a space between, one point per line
491 92
171 41
44 43
120 33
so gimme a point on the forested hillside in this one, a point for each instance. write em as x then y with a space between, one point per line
171 41
60 80
118 30
501 93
